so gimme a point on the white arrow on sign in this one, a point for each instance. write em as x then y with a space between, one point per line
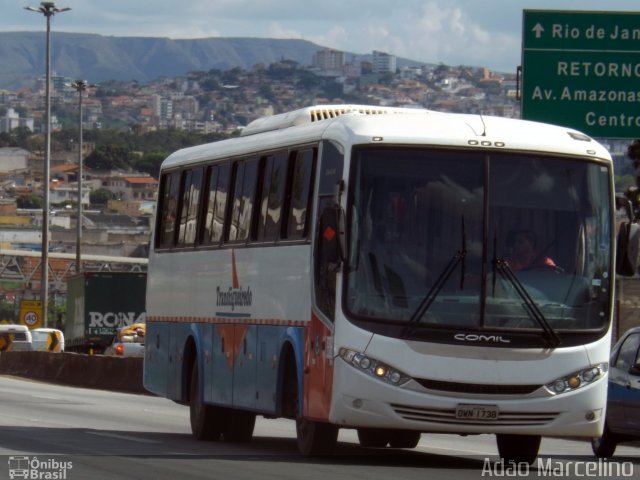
538 29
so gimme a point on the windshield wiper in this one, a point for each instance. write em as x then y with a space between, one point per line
440 282
502 267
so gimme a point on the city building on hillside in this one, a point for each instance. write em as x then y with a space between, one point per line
383 62
60 192
12 159
329 60
13 120
131 187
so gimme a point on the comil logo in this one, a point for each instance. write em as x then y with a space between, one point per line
474 337
38 469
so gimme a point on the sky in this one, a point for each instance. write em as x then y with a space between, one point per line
454 32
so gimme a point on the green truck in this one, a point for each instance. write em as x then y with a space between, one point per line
98 303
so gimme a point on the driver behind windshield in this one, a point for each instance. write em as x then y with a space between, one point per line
524 252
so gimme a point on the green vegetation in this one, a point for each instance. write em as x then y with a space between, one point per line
99 196
30 200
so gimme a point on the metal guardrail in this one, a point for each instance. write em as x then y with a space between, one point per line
25 267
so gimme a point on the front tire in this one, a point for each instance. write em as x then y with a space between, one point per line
315 438
518 448
605 445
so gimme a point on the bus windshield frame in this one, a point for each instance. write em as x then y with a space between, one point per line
452 245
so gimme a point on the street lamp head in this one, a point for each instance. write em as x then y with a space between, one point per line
48 9
79 85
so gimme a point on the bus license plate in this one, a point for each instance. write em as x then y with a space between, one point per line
477 412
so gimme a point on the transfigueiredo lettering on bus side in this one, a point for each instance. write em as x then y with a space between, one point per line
234 297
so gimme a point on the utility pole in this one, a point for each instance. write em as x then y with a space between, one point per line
48 9
80 86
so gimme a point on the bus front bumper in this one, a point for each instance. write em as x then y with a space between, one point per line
360 400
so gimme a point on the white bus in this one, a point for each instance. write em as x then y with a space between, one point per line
394 271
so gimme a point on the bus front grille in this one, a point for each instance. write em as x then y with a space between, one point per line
477 388
448 416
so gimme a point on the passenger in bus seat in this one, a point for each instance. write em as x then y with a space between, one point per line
524 252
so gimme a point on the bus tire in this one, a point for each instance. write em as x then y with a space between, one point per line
206 420
239 426
605 445
315 438
518 448
373 437
404 439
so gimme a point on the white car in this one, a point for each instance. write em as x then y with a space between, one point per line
47 340
16 338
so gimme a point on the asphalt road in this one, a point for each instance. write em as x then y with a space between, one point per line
92 434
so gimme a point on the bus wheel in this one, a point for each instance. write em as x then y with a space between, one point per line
518 448
239 426
604 446
404 439
373 437
206 420
315 438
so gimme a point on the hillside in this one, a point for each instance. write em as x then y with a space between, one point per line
99 58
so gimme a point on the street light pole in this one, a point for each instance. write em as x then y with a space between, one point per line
80 86
48 9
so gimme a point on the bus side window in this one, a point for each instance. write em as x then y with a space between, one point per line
168 210
301 190
218 187
274 177
245 174
191 187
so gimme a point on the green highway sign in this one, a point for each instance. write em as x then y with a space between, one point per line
582 69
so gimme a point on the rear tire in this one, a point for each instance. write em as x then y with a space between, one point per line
605 445
518 448
206 420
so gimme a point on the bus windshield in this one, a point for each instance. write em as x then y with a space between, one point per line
443 240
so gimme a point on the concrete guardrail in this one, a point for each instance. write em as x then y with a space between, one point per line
78 370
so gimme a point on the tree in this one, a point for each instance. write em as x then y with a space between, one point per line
20 137
150 163
30 200
107 157
100 196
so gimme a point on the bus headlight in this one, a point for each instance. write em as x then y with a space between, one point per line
576 380
373 367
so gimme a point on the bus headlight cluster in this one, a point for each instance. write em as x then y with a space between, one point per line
373 367
578 379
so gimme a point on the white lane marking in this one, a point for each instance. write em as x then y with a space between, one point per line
122 437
